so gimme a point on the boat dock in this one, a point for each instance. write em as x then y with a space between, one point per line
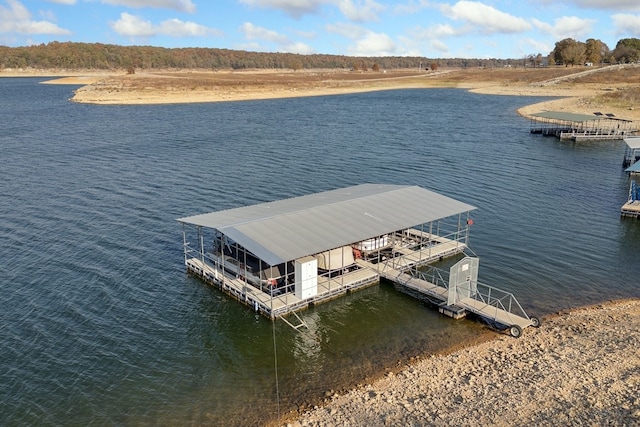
631 162
286 256
581 127
632 207
631 152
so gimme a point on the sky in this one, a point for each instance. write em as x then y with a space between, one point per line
433 29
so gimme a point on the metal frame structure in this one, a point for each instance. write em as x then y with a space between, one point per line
631 152
411 229
578 127
346 230
458 291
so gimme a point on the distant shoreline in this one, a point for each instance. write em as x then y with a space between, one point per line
167 87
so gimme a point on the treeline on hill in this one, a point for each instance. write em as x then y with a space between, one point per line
71 55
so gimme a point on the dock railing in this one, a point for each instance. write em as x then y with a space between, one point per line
498 298
490 300
433 275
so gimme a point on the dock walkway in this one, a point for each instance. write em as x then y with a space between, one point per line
479 304
400 269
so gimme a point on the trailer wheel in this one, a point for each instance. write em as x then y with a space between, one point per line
535 322
515 331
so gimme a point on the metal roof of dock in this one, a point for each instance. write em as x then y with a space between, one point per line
577 118
635 168
567 117
285 230
633 142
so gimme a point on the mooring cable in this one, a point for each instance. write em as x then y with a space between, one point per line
275 361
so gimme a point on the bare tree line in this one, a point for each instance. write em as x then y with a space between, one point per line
99 56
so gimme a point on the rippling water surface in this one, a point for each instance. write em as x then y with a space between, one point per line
100 324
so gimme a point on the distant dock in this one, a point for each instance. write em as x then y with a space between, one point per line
631 162
289 255
581 127
632 207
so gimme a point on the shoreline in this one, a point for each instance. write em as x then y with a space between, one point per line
116 87
582 366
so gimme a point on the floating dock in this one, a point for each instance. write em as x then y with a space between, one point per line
631 162
631 153
285 256
582 127
632 207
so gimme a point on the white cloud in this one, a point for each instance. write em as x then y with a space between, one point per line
354 10
439 46
374 44
301 48
617 5
253 32
179 5
535 46
360 10
178 28
411 7
625 24
442 30
294 8
433 36
566 27
283 43
69 2
346 30
485 19
17 19
133 26
367 43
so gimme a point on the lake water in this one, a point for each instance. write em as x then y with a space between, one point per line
100 323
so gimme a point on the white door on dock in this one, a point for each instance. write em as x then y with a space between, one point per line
463 278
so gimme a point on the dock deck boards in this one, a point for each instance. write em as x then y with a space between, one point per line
631 208
493 312
367 273
278 305
441 293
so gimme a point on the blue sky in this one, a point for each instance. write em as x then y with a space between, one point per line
433 29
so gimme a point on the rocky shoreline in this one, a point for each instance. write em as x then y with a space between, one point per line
582 367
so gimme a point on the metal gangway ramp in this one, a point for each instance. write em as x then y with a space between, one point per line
462 292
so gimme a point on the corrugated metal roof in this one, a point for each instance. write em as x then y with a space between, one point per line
633 168
633 142
289 229
567 117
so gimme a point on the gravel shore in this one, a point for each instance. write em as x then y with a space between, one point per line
582 367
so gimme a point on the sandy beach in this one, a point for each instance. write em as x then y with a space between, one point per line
581 367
